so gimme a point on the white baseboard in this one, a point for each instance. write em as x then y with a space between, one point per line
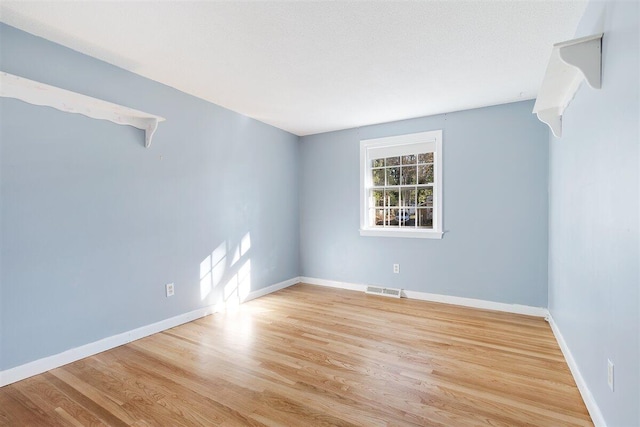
51 362
333 284
270 289
478 303
446 299
587 397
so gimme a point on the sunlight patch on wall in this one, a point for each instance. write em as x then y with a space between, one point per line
236 256
244 280
212 270
245 244
238 287
218 258
231 267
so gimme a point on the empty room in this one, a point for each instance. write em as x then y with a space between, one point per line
320 213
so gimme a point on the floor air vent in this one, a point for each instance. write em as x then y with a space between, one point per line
387 292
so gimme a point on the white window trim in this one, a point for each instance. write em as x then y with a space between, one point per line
379 145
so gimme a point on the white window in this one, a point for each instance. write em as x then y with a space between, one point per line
401 186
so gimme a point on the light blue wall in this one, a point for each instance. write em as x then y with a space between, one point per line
594 253
495 210
93 224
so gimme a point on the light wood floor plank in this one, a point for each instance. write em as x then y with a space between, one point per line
315 356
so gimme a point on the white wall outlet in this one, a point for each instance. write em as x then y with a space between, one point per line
610 374
396 268
170 289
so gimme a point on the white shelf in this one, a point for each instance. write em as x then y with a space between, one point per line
64 100
570 63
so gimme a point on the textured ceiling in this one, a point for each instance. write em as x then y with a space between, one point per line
310 67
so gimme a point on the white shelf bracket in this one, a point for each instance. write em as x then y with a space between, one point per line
552 117
570 63
149 130
586 56
42 94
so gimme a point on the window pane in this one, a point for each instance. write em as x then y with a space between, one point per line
425 197
424 218
377 163
391 198
404 216
425 174
379 217
408 175
393 176
385 217
378 177
378 197
408 197
392 218
425 158
393 161
409 160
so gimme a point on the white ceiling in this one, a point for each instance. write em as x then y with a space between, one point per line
310 67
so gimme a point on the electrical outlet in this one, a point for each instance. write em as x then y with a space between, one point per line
396 268
610 374
170 289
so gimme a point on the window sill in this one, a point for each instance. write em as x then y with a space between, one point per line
422 234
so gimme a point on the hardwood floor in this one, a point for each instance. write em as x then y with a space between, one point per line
314 356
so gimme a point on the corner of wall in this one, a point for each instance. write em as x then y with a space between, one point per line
587 397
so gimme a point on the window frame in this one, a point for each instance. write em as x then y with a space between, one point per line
397 145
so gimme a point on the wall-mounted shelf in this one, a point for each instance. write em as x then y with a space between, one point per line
570 63
64 100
